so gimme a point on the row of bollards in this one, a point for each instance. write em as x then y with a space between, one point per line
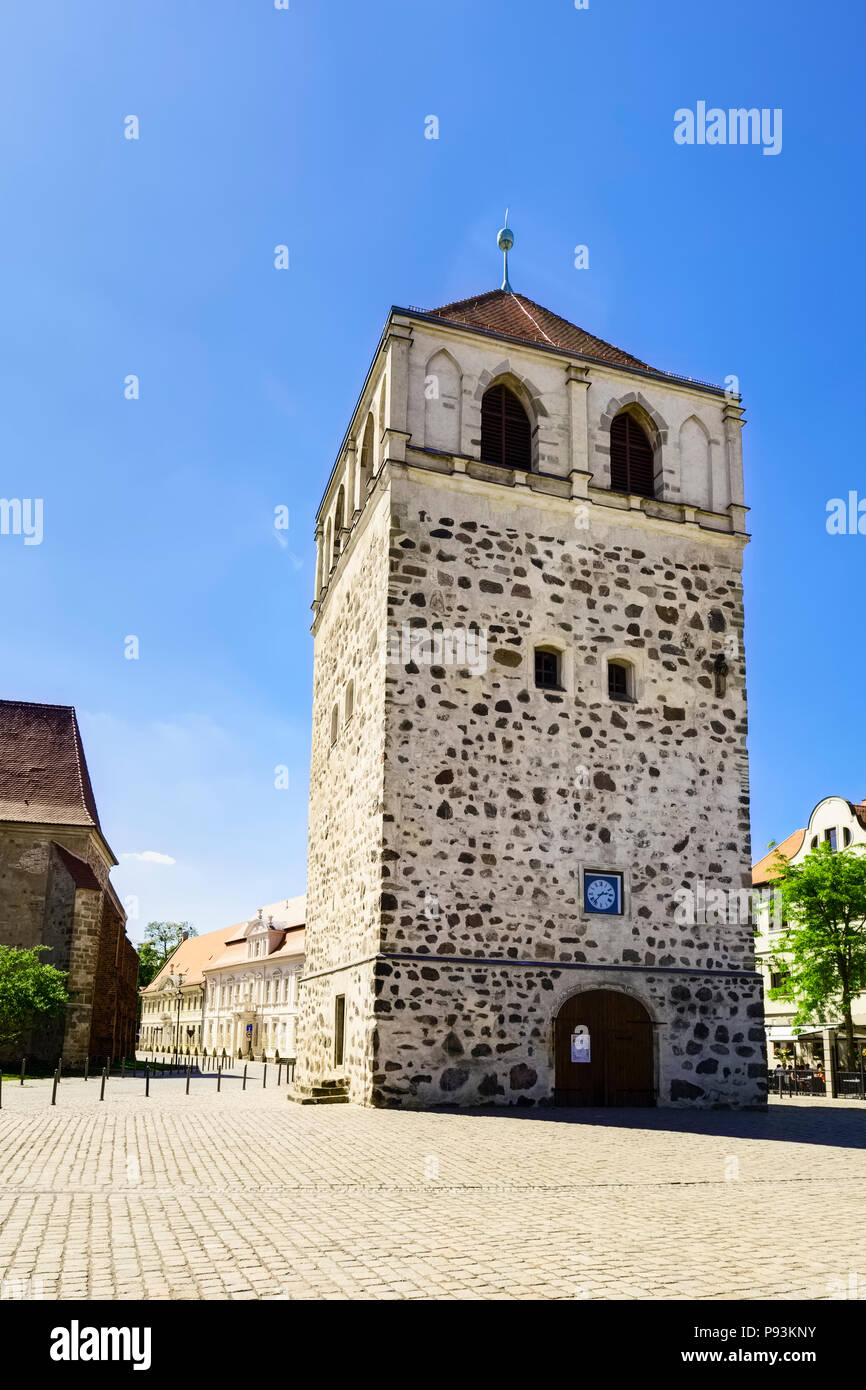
157 1067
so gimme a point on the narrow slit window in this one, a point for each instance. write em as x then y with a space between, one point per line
339 1029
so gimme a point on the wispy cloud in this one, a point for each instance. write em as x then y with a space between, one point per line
150 856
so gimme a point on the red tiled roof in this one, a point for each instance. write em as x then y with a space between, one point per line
762 872
43 771
514 316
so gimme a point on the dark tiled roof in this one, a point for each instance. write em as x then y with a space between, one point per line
43 772
514 316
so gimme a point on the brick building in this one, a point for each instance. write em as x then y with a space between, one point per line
55 889
529 728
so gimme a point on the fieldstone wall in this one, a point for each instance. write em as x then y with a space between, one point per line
346 810
499 794
495 795
457 1033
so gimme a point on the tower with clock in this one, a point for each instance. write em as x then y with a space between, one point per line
529 729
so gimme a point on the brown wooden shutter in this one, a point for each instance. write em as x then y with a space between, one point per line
506 438
631 458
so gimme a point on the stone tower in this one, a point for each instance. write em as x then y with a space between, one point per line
529 770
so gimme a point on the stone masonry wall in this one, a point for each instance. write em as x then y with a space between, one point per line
40 905
344 875
496 793
450 1033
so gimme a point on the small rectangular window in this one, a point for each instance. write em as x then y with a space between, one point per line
617 681
339 1028
547 669
830 837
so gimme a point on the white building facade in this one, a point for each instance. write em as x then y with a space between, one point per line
235 989
839 823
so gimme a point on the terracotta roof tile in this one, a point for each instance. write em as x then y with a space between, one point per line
514 316
762 872
228 947
43 771
193 957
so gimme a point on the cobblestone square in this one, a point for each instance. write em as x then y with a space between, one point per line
242 1195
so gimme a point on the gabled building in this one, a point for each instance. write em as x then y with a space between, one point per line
55 887
234 989
839 823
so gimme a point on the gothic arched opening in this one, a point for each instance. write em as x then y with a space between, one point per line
506 434
632 464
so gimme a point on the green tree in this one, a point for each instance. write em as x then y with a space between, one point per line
149 963
31 992
160 940
163 938
821 953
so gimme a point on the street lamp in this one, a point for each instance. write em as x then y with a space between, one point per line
178 994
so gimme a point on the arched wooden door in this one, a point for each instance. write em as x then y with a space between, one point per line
603 1046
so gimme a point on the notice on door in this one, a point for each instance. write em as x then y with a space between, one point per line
580 1043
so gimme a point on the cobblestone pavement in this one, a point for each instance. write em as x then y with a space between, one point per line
245 1195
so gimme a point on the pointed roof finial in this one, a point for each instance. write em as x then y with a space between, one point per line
505 241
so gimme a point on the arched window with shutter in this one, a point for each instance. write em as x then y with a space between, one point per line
632 466
506 434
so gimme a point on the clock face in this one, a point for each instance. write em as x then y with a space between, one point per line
603 893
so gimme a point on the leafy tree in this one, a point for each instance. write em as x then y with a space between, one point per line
160 940
149 963
821 953
31 992
165 937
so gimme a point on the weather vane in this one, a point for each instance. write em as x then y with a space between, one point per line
505 241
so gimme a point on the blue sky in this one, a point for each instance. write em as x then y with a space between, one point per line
261 127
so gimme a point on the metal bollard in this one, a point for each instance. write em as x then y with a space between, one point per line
188 1070
86 1068
23 1060
265 1075
102 1087
244 1083
54 1087
146 1079
279 1072
219 1077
